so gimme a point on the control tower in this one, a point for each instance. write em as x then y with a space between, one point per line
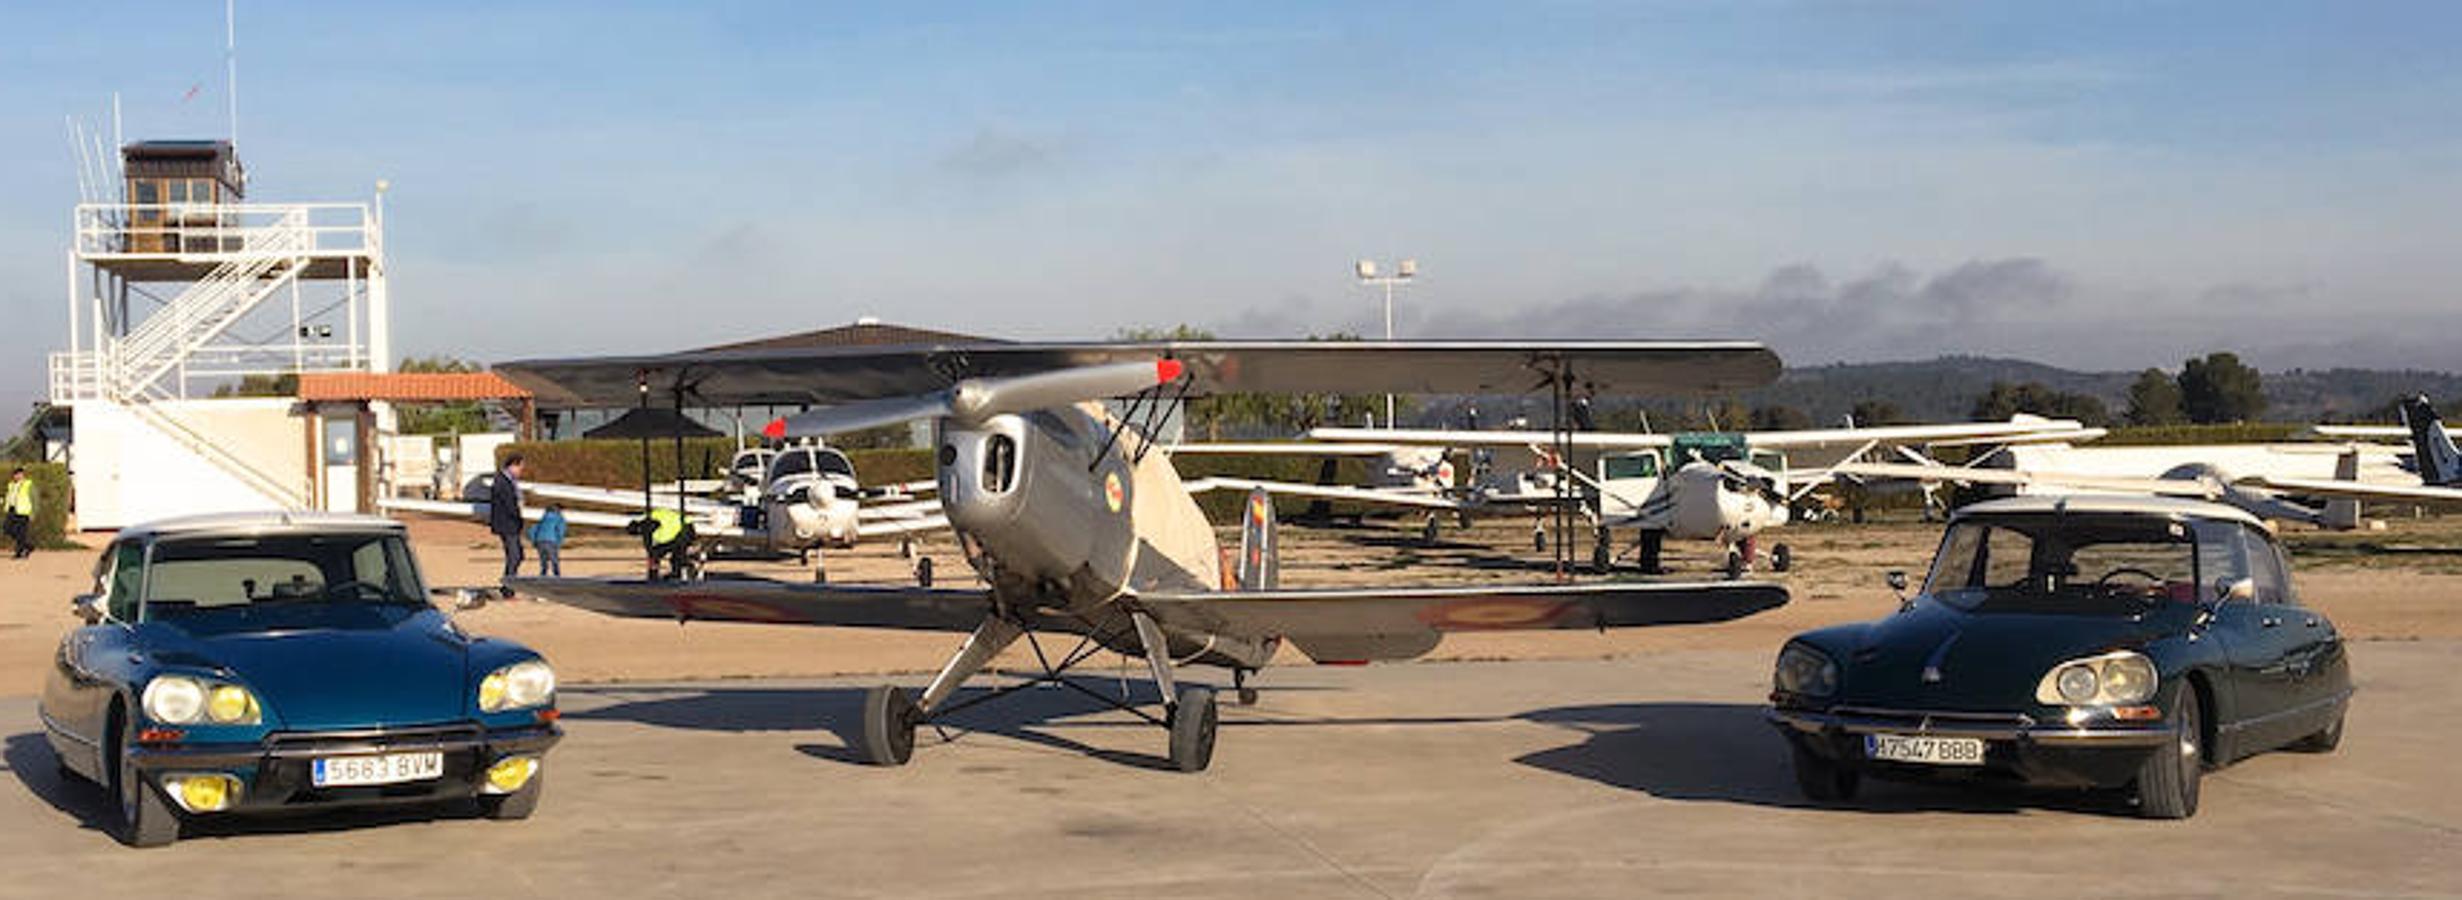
191 314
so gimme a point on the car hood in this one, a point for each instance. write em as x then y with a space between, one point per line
324 666
1939 657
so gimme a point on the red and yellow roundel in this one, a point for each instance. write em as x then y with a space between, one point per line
1113 494
1258 508
1492 613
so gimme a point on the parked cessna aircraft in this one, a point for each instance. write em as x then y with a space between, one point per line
804 499
2434 458
1725 487
1077 524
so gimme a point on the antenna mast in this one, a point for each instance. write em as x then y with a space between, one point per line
230 65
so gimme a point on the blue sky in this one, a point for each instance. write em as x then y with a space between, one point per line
2106 185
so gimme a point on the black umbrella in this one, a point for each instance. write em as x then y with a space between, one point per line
651 422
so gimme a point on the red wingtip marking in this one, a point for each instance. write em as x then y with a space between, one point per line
1167 370
775 430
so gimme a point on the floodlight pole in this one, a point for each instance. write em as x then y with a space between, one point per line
1403 272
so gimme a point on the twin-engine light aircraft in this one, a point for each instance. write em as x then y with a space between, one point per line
1077 523
1723 487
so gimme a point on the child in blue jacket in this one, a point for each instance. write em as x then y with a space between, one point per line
548 535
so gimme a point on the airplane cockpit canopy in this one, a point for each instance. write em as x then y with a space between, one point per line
799 461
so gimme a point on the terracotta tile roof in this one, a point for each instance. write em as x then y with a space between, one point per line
407 387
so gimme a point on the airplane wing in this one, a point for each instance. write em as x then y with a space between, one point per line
2360 490
764 600
579 518
1455 437
1357 624
2024 429
573 493
1281 448
1419 499
2372 432
2172 487
901 525
840 375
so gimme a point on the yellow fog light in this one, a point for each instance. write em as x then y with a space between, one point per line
231 704
510 773
491 692
204 793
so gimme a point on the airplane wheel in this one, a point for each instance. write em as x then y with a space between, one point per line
1781 558
1427 532
1248 696
1538 540
1653 552
1735 565
888 725
1192 729
1602 551
1462 520
906 548
820 575
923 572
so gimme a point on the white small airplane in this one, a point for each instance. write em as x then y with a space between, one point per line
1725 487
796 500
2434 459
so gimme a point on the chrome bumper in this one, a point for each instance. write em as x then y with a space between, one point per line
2016 729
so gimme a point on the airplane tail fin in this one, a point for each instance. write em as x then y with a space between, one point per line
2440 463
1260 564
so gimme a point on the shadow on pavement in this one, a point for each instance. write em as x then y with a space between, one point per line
30 758
1726 752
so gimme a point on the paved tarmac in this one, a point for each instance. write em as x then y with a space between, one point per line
1614 778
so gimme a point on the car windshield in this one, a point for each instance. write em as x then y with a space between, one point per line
2071 564
185 575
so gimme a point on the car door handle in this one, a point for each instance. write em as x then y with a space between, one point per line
2270 621
2312 621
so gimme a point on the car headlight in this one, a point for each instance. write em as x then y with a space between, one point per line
2117 678
183 700
518 686
1805 671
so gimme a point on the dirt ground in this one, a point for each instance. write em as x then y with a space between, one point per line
2402 583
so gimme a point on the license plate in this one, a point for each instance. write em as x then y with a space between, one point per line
1925 749
391 768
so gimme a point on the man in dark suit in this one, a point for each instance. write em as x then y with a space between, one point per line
504 512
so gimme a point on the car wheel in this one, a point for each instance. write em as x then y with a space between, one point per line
518 804
146 819
2168 781
1193 721
1824 780
2325 740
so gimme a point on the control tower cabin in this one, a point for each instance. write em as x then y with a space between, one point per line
192 312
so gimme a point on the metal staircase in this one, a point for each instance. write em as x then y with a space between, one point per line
139 360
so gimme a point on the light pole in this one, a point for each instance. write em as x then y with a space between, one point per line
1403 272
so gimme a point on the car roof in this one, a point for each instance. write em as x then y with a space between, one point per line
2108 504
249 523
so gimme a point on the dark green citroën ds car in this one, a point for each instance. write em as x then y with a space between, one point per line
2125 643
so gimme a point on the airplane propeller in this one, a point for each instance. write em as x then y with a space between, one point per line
976 399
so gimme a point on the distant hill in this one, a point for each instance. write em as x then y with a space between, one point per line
1945 389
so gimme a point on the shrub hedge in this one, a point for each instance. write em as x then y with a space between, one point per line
51 502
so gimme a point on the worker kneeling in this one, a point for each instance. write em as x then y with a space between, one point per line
668 537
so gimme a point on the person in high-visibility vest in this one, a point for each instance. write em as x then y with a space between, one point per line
20 506
666 535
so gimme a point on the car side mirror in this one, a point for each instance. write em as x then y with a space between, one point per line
1897 581
469 598
89 608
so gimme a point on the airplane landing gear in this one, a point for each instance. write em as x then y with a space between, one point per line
1735 563
1781 558
1653 548
906 548
888 725
1245 695
1193 720
1603 550
1538 538
1190 715
1427 532
923 572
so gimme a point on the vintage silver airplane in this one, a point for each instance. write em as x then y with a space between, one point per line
1722 487
1077 523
